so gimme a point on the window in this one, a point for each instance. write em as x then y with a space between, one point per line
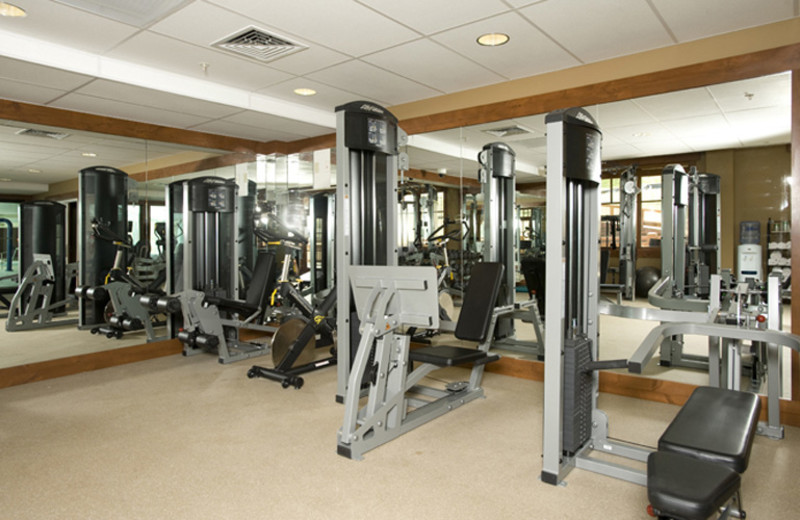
650 198
609 209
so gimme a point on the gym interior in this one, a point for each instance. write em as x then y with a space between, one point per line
329 262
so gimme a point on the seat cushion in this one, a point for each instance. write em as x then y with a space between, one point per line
446 356
687 488
716 425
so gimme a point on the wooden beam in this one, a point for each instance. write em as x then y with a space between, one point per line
43 115
690 76
43 370
627 385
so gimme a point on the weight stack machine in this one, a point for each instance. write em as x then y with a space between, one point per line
572 288
497 176
102 195
202 252
367 161
42 225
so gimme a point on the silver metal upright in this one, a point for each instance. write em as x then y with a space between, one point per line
572 286
367 160
497 176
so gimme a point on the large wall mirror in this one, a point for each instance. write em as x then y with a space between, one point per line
739 131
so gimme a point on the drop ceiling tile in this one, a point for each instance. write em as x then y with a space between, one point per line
39 75
431 17
264 134
620 150
367 81
145 97
296 129
767 91
677 105
691 20
433 65
762 126
326 98
527 53
132 112
341 25
28 93
621 113
595 30
155 50
62 25
203 24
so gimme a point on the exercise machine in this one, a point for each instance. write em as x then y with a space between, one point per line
367 161
574 428
501 241
102 196
388 300
43 297
129 306
696 197
212 323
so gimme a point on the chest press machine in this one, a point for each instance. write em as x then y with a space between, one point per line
695 472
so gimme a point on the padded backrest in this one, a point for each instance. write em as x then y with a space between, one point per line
479 301
263 276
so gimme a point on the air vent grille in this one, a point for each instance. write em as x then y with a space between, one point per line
507 131
41 133
259 44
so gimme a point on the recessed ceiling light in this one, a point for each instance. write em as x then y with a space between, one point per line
641 134
305 91
12 10
5 179
34 170
493 39
88 154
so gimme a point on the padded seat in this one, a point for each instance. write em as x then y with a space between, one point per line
473 322
686 488
715 425
447 356
257 292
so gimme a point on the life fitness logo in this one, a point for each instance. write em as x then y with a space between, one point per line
371 108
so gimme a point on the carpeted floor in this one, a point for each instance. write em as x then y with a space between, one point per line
188 438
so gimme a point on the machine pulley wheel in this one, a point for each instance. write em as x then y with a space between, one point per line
285 337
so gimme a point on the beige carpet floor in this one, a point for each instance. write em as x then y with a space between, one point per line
187 438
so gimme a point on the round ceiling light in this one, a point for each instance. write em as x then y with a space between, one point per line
493 39
12 10
305 91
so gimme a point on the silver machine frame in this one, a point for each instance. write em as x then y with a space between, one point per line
572 312
501 243
368 157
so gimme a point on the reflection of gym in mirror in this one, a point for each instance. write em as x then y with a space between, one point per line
668 226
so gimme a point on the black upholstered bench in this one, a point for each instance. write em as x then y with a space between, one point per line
696 470
474 321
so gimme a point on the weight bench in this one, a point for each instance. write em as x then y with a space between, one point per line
389 300
696 471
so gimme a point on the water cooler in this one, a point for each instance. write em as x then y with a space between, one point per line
748 254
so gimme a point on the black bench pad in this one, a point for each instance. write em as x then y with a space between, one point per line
446 356
687 488
715 425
